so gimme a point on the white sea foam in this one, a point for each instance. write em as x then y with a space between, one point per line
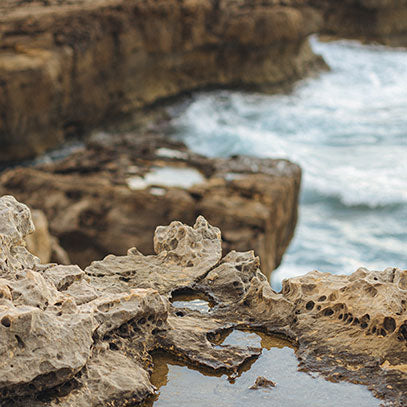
348 130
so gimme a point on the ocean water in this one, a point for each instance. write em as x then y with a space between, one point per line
347 128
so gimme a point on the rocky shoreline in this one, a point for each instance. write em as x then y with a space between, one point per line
84 338
112 195
69 67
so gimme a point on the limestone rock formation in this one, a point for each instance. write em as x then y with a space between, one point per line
112 196
66 67
84 338
42 244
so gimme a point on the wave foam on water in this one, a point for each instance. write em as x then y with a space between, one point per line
348 131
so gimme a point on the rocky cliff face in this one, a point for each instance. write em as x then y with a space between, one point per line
66 67
83 338
112 195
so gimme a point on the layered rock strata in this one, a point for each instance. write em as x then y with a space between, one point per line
113 194
66 67
83 338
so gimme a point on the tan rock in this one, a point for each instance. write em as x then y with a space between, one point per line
39 242
59 348
112 196
68 67
42 244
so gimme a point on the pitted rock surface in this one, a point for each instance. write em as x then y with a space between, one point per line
94 212
84 338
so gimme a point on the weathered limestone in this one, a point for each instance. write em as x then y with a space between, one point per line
66 67
42 244
61 348
93 210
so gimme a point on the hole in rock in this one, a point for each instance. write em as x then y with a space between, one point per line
186 386
20 342
191 300
5 321
389 324
113 346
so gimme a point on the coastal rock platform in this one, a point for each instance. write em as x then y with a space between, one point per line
72 337
112 194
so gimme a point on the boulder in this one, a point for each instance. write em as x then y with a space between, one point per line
112 195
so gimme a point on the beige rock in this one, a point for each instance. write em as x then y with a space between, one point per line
60 348
42 244
68 67
39 242
93 211
380 21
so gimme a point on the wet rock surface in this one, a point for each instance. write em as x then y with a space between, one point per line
84 338
262 383
104 199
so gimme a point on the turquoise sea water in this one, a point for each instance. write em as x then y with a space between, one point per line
347 128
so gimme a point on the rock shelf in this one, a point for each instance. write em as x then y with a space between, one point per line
83 338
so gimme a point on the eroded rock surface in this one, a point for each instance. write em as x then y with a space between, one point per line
67 66
84 338
112 196
42 244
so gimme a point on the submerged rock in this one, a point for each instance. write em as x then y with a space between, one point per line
94 208
83 338
262 383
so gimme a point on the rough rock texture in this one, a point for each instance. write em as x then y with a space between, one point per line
93 212
83 338
68 66
42 244
262 383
